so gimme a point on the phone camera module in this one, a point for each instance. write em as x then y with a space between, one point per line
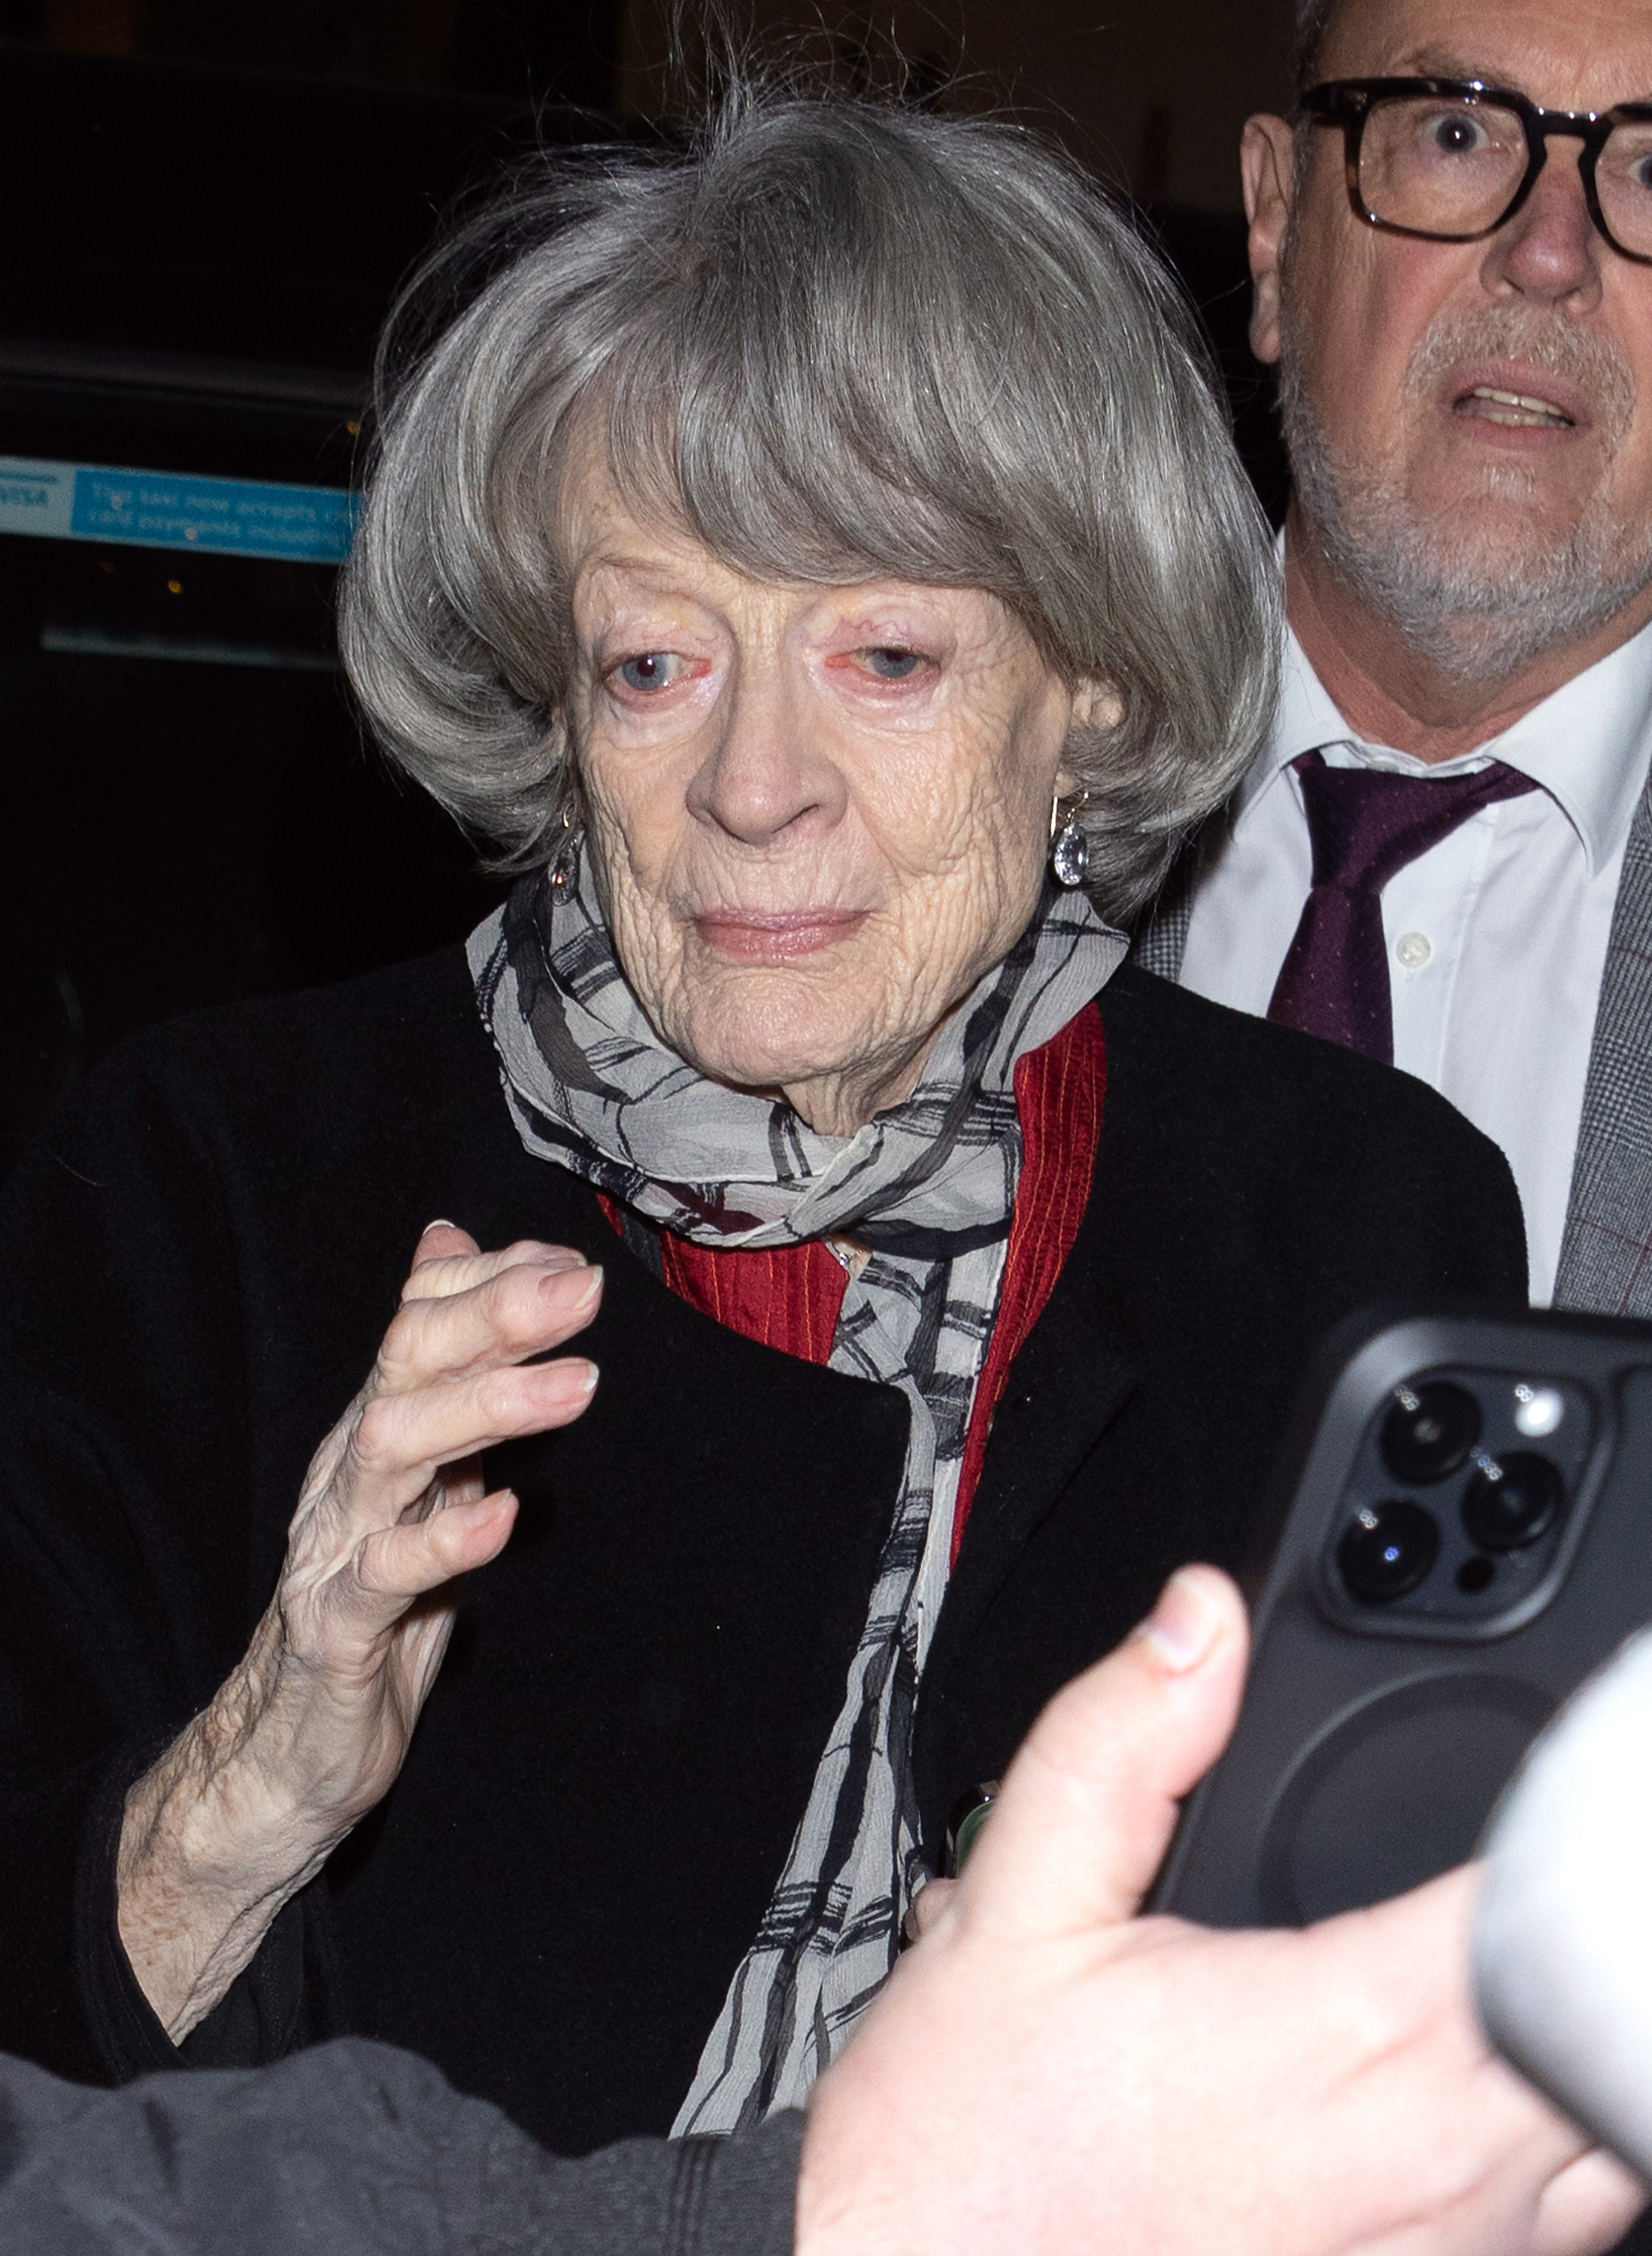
1388 1550
1429 1431
1512 1500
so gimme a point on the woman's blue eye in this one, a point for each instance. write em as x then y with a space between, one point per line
894 664
651 669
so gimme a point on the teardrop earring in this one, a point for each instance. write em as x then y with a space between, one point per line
565 861
1069 847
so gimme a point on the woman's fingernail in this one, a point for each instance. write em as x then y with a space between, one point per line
562 1263
590 1282
1184 1624
441 1222
569 1374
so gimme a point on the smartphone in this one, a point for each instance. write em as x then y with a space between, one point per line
1460 1532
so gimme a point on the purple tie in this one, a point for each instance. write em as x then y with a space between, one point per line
1366 824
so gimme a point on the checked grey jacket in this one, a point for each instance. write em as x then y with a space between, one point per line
1605 1256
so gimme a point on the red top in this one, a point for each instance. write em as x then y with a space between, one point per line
788 1297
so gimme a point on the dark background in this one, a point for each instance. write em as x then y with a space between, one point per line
208 207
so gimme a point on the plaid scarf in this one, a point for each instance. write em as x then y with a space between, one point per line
928 1187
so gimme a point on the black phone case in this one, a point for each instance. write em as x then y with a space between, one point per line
1372 1744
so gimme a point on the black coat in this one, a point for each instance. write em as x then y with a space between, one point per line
197 1266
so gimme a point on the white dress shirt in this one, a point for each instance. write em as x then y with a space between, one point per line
1496 937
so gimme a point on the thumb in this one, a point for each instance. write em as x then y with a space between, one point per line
1588 2206
443 1241
1089 1803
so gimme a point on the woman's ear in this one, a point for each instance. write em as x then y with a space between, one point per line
1096 704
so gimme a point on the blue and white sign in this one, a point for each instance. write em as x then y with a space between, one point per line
37 498
162 509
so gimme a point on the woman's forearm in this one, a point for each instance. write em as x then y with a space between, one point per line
211 1849
187 1941
310 1731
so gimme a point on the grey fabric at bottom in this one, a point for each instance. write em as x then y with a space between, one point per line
357 2149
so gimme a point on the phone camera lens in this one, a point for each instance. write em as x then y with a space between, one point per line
1511 1501
1388 1551
1429 1431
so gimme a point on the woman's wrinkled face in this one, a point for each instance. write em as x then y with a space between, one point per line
819 813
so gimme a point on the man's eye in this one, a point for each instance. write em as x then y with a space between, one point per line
652 669
1456 135
891 663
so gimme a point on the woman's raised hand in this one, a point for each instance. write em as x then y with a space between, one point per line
394 1507
311 1729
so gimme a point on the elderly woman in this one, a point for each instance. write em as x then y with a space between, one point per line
817 565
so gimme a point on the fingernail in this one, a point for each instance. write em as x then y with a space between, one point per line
569 1382
591 1274
557 1260
441 1222
1183 1625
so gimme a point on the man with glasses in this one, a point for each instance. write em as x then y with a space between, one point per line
1443 855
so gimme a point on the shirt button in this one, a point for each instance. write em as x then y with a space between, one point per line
1414 950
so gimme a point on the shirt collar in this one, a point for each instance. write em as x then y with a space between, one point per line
1588 746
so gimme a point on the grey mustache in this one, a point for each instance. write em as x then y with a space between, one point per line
1579 357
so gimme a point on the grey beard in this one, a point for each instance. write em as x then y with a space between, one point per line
1475 604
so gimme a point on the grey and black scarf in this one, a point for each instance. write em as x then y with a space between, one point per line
928 1187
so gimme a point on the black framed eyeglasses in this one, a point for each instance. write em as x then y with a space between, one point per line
1451 159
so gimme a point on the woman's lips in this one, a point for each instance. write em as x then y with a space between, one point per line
777 936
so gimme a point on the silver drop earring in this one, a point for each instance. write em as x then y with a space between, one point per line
1069 848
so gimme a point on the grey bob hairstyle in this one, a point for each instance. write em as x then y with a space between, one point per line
836 340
